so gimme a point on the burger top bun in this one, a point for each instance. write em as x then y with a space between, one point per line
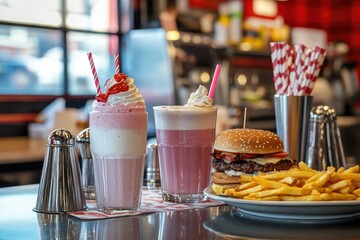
245 140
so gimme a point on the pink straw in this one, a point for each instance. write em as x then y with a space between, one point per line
214 81
117 63
93 70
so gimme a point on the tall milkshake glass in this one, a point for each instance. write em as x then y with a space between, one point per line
118 129
185 137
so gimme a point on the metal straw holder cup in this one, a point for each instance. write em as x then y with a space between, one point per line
152 167
87 164
325 147
60 187
292 123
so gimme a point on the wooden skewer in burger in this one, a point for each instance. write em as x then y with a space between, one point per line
244 151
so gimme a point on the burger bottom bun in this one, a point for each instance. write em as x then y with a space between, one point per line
223 178
221 182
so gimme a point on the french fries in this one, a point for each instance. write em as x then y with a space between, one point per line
300 184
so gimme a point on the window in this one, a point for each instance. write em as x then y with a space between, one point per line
37 35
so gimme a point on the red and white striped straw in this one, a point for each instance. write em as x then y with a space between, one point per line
299 62
117 64
284 75
295 68
274 59
318 60
93 70
278 62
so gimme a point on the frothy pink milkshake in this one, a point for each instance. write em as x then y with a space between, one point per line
185 137
118 135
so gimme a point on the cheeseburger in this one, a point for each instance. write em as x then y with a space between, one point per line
246 151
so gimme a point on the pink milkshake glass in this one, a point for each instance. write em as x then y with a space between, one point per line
185 137
118 136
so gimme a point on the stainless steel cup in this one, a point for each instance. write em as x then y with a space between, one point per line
60 185
325 146
87 164
152 167
292 115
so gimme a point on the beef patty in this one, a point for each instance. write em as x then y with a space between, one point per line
250 167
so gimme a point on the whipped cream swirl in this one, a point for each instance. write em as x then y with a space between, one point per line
199 98
130 96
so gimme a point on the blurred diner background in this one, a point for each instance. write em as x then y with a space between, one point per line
169 47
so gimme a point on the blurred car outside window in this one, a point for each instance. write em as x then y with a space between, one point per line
33 45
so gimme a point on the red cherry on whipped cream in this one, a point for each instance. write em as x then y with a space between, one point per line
102 97
119 77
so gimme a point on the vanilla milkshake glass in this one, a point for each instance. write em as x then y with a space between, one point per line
118 130
185 137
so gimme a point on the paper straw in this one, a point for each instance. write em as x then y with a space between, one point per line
214 81
274 58
295 68
318 52
93 70
282 62
299 60
117 64
319 62
292 90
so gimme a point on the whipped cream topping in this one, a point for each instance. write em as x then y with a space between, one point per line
130 96
126 93
199 98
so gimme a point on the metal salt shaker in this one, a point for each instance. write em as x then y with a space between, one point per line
152 176
60 185
325 146
87 173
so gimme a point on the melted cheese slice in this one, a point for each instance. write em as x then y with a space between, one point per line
261 160
264 161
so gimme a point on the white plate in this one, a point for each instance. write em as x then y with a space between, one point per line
299 210
231 225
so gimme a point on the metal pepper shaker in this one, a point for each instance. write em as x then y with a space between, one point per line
60 187
152 167
87 169
324 146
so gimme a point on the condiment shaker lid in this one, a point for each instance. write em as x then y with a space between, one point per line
83 143
323 113
61 137
83 136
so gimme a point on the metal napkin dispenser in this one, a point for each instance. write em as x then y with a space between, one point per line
325 146
60 185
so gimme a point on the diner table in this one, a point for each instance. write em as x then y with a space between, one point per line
19 221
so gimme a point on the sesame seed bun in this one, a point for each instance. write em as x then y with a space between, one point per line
251 141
